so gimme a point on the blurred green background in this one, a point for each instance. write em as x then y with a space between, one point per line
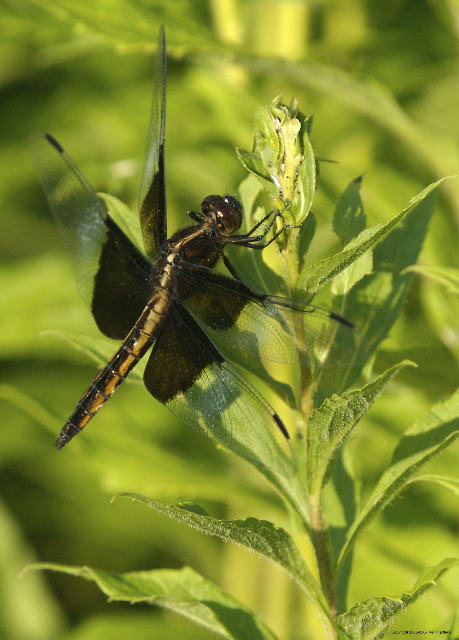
381 77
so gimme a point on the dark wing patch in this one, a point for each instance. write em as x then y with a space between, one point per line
93 241
179 356
215 299
152 198
188 374
122 286
270 327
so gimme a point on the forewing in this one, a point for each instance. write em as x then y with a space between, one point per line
112 275
188 374
152 199
270 327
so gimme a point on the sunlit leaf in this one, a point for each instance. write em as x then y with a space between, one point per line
313 278
426 438
349 219
446 276
182 591
449 483
272 542
124 217
371 619
330 424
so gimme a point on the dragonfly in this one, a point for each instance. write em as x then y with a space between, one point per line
169 298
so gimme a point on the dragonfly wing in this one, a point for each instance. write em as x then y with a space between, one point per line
152 200
188 374
112 275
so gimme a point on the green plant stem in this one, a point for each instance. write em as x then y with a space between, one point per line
323 557
290 238
308 388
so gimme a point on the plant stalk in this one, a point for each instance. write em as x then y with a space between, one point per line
319 541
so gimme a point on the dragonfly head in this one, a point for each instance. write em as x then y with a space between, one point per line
227 211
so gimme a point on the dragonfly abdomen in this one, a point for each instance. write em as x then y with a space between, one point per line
118 367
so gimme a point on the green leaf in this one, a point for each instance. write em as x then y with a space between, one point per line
137 24
125 218
446 276
182 591
261 536
305 236
30 609
426 438
255 367
293 490
444 481
253 162
386 288
374 302
371 619
249 190
304 190
314 277
30 407
263 159
349 219
345 280
329 426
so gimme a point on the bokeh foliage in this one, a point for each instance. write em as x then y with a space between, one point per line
381 79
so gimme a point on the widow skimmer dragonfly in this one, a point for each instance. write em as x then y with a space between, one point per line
173 299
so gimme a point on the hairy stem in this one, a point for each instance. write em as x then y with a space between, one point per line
322 554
